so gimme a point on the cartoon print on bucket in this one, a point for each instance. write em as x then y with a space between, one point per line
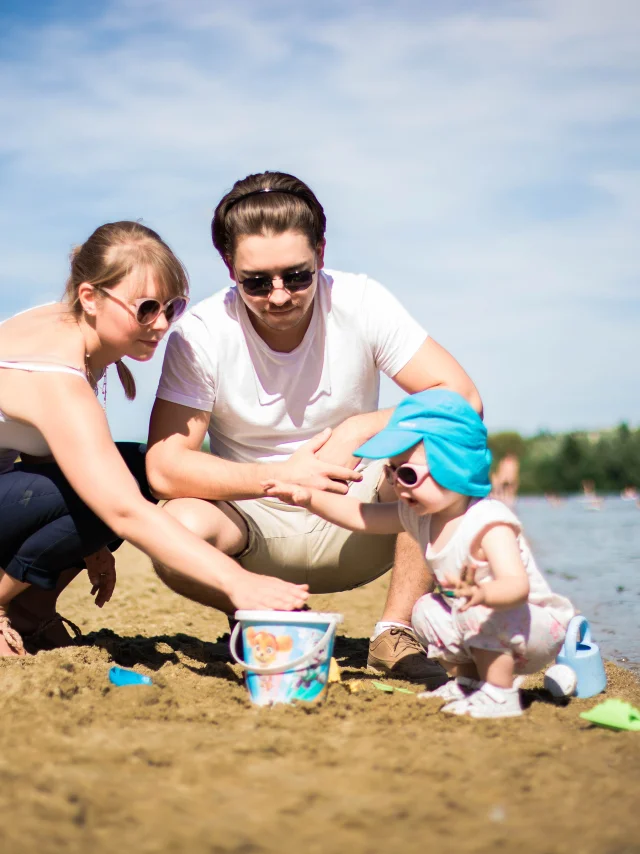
266 648
288 654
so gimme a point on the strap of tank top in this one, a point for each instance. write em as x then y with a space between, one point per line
45 367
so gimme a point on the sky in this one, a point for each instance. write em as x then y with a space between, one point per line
481 160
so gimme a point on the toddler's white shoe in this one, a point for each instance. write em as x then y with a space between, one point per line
456 689
488 701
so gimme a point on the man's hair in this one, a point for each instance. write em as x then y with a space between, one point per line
267 203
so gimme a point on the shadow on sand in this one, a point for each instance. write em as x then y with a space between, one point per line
212 659
154 652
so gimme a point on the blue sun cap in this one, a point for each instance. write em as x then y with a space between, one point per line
454 436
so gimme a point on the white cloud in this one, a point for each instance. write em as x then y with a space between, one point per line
423 132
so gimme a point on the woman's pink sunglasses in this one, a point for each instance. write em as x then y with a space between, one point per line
147 309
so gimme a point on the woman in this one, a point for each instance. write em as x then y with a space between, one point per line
74 493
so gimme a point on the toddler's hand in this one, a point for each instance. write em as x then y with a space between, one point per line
465 587
290 493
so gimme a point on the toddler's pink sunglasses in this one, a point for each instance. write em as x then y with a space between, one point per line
409 475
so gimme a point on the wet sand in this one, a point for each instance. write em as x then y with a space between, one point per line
188 765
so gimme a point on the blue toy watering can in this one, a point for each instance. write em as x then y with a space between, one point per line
583 657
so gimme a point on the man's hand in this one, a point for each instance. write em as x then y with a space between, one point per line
348 436
339 447
305 468
101 567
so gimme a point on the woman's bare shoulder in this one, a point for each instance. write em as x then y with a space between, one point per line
46 333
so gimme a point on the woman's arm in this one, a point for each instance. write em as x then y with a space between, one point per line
67 413
340 510
510 585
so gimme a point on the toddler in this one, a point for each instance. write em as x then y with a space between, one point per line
493 615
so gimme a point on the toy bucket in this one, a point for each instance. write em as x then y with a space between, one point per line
583 657
287 654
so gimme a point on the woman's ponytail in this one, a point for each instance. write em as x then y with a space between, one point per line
126 378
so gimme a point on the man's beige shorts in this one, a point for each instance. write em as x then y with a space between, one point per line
293 544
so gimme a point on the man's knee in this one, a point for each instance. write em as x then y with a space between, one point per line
190 514
219 525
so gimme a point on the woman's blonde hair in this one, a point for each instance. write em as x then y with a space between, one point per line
116 250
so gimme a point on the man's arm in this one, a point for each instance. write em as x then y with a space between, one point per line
431 367
177 468
434 367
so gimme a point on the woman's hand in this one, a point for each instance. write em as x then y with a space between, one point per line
101 567
262 592
290 493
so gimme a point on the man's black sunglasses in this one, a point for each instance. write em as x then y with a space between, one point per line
261 286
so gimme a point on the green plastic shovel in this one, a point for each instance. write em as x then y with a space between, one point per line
614 714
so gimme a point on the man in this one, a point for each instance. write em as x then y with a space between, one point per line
282 372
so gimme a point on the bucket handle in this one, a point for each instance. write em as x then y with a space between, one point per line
578 631
278 668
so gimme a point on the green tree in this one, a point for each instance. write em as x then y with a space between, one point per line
560 463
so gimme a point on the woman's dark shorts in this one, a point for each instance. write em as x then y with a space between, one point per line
45 528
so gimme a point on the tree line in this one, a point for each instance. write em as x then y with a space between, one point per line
559 463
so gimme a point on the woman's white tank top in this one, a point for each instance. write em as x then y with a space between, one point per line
18 438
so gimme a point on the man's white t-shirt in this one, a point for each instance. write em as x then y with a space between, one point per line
265 404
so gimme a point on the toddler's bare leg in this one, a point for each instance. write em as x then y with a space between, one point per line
496 668
470 671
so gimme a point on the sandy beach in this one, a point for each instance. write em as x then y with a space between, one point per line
188 765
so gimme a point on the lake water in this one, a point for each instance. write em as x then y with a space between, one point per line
593 557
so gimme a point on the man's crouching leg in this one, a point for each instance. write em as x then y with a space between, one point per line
218 524
394 650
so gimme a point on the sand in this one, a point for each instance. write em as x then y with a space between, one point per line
188 765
